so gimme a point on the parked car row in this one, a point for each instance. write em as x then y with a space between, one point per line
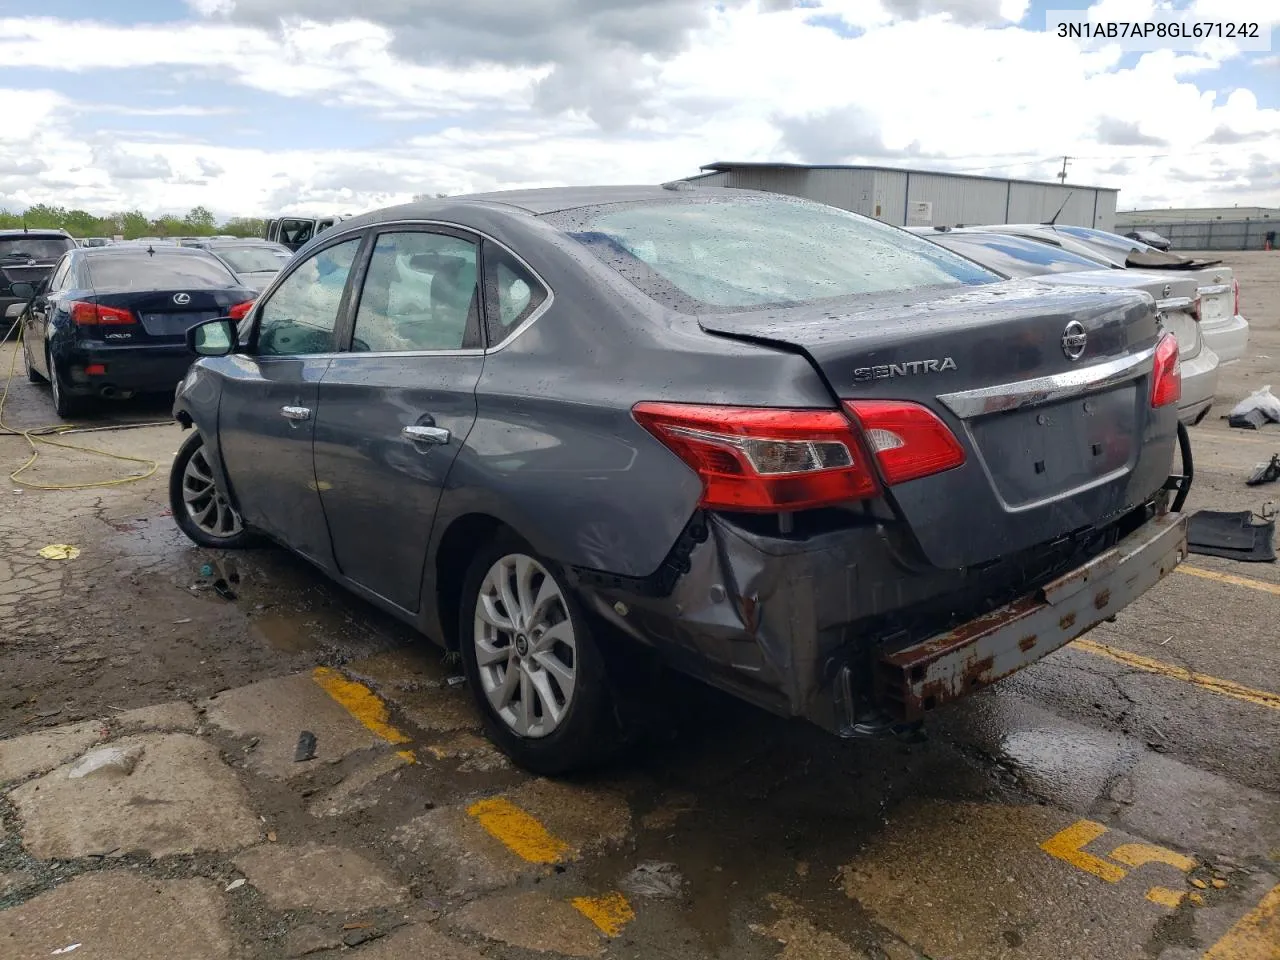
838 470
1199 301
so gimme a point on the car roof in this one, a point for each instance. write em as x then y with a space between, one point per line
134 248
34 232
552 199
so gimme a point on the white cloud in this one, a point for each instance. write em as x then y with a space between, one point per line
740 85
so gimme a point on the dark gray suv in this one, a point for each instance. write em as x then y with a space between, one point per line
811 459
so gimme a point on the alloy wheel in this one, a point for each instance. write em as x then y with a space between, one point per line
205 505
525 646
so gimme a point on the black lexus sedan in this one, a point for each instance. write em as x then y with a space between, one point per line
112 321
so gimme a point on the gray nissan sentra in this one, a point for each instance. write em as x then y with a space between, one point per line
811 459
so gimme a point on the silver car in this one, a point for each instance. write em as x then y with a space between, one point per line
254 262
1175 293
1223 327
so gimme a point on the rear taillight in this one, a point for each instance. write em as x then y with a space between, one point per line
1194 309
1235 289
240 310
766 459
763 459
908 440
96 315
1166 376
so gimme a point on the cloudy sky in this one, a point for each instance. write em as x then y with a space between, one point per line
263 106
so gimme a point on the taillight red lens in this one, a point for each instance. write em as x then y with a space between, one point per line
1235 288
240 310
909 441
95 314
1166 376
763 459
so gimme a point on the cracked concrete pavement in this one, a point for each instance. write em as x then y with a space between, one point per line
1092 806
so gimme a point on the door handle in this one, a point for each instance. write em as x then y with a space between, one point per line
296 413
419 434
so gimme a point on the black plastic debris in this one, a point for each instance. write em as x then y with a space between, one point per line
1255 419
1259 408
1265 472
306 749
1236 536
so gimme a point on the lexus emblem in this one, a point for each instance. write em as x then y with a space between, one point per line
1168 289
185 298
1074 340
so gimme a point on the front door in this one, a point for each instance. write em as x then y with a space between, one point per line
267 414
396 409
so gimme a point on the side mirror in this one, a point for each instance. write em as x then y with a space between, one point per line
212 338
23 290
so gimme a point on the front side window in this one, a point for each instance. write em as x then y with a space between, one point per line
713 254
512 293
419 293
301 314
296 231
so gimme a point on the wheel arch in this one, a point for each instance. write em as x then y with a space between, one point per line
457 545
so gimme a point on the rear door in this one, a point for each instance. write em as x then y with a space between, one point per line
396 408
267 414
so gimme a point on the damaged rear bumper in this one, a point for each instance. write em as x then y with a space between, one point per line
916 679
841 629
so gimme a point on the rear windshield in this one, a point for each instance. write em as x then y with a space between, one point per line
144 272
1110 241
753 251
1016 257
254 259
34 248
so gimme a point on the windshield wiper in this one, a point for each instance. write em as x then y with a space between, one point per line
16 256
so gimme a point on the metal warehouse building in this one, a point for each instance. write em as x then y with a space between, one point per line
920 198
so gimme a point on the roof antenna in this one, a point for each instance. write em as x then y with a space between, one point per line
1050 223
24 224
151 251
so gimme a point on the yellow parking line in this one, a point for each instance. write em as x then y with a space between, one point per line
520 832
361 702
1227 688
1231 578
1255 937
610 913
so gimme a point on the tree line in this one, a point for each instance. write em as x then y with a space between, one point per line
199 222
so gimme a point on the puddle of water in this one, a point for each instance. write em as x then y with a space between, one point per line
284 633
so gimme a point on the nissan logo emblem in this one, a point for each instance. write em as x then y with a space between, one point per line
1074 340
183 298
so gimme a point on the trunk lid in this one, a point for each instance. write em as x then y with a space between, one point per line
162 319
14 271
1059 438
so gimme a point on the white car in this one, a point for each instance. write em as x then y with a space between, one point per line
1223 327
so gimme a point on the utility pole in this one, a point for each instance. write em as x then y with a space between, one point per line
1063 175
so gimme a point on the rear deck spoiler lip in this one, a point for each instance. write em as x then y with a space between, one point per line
967 404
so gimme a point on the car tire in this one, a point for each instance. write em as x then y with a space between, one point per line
199 508
33 375
65 406
567 671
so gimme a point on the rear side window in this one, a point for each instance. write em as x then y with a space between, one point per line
512 293
748 252
141 271
1016 257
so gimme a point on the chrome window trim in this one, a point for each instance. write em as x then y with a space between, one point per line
335 232
967 404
